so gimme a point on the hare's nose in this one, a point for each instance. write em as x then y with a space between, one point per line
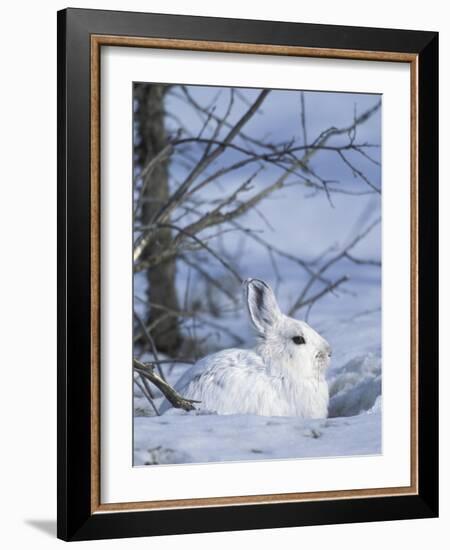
328 350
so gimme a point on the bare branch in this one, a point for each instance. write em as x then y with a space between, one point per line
163 155
330 132
217 216
208 159
203 319
303 118
358 172
213 281
170 253
164 212
193 214
150 341
272 248
223 121
330 288
359 261
142 385
343 253
170 393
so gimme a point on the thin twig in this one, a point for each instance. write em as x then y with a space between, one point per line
151 342
146 392
330 262
319 295
205 246
177 400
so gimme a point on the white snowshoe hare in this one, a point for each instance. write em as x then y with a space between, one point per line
284 375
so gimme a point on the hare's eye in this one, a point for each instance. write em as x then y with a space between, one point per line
298 340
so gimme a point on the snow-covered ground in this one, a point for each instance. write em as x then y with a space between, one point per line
350 319
189 437
351 323
352 428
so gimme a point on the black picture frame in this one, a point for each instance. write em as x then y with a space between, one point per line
76 520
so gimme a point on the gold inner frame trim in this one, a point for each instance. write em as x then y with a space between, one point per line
97 41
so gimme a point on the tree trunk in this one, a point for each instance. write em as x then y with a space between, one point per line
149 116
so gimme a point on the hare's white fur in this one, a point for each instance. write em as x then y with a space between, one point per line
277 378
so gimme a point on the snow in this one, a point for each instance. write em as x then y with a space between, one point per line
355 387
352 428
349 319
181 437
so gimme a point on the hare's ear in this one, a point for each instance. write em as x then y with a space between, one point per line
262 304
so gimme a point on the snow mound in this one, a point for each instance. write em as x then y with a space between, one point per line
355 387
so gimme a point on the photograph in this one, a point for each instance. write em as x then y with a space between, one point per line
257 275
247 260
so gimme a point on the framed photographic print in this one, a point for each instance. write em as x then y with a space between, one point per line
247 274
